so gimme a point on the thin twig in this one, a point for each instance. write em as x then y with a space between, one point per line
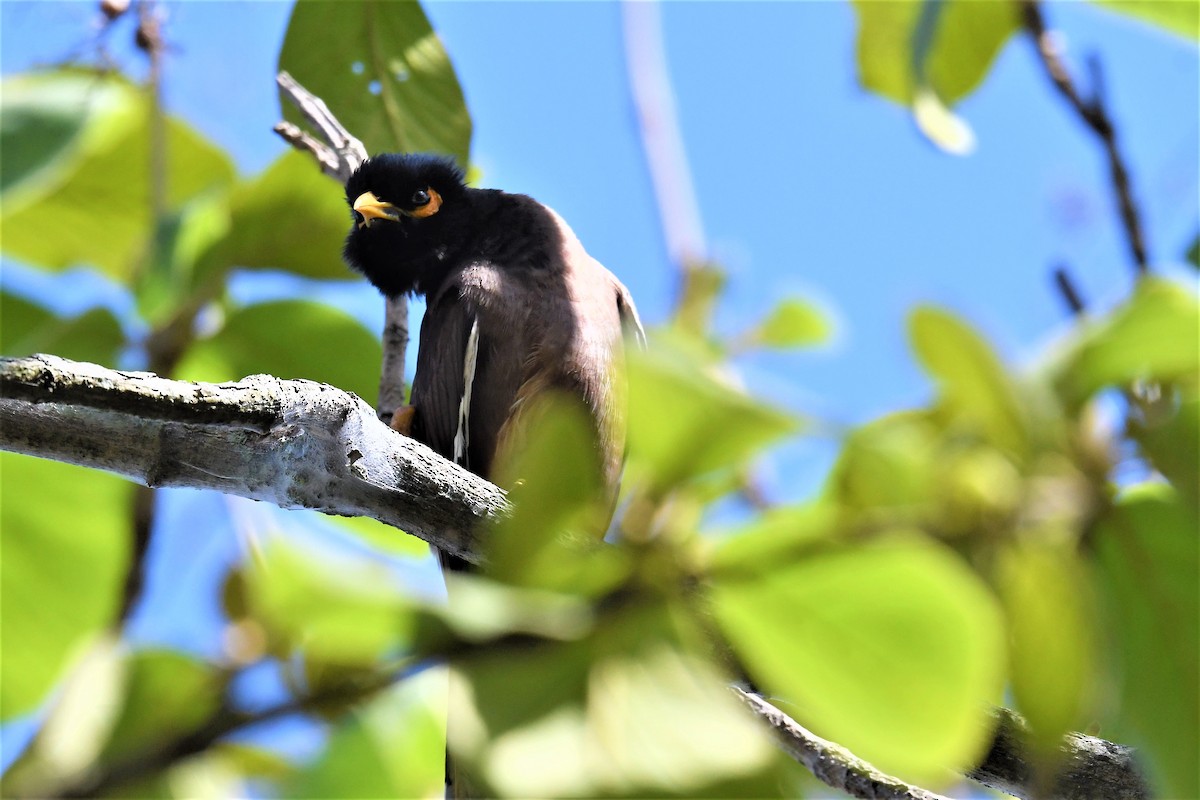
1068 291
1094 113
338 156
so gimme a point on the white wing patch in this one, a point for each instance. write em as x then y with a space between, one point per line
462 437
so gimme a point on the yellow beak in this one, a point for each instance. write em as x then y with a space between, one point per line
371 207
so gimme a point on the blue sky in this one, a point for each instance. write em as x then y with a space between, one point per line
807 184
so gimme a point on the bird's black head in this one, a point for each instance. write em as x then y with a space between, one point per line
409 212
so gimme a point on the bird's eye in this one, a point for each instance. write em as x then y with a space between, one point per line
420 197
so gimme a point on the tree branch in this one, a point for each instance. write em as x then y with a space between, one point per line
1094 114
296 444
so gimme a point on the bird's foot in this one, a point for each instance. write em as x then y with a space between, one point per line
402 419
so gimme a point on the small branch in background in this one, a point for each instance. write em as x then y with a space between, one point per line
1094 113
1068 291
662 139
338 156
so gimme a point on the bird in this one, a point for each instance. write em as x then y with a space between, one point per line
516 310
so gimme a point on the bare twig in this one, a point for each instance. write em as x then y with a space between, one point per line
338 156
1068 291
1093 112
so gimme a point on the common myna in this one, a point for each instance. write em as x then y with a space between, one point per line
515 309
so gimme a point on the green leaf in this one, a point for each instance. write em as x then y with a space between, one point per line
1152 337
935 52
27 328
65 536
289 339
685 420
1193 253
98 211
889 468
631 711
1149 567
1171 15
815 632
779 534
1172 444
379 536
346 612
382 70
394 746
1051 627
977 393
42 118
184 237
291 217
793 323
167 694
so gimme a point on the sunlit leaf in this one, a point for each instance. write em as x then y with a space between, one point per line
817 631
382 537
976 391
1051 625
184 237
167 694
382 70
335 611
42 119
793 323
628 712
27 328
1149 568
684 422
65 537
1172 443
1182 18
290 218
935 51
289 339
1150 337
780 534
393 746
98 211
888 466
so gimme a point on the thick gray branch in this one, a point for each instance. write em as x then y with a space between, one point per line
296 444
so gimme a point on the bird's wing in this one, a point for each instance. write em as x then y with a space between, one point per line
446 363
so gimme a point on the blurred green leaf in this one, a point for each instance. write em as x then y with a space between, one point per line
65 537
381 537
1149 567
183 238
560 508
167 694
27 328
1172 444
629 712
1193 253
1182 18
291 217
976 393
780 534
97 211
684 421
289 339
42 118
382 70
1153 336
888 466
347 612
814 631
1051 620
77 724
795 322
393 746
935 51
